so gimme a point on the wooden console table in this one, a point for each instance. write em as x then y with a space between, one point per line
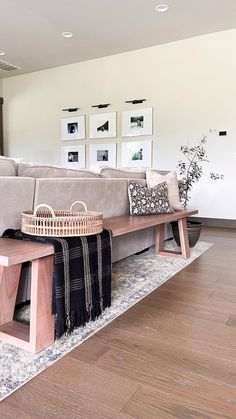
40 333
127 223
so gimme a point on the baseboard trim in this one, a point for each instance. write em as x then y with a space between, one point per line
215 222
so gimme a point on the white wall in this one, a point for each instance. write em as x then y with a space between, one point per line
191 85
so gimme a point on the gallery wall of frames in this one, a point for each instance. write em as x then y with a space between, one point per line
100 142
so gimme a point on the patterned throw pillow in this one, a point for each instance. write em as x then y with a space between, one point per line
144 201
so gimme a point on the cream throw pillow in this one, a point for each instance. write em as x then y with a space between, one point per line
154 178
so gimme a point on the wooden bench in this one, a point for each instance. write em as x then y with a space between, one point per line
40 333
125 224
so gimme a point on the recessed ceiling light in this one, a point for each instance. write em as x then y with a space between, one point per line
162 8
2 53
67 34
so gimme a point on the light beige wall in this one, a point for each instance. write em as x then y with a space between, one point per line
0 87
191 85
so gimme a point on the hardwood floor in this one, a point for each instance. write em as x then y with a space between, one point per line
173 355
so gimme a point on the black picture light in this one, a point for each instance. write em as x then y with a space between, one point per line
135 101
70 110
101 105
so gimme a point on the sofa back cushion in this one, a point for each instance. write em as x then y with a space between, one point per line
17 195
154 177
110 172
48 171
8 167
109 196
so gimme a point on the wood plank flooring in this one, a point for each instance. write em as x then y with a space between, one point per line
173 355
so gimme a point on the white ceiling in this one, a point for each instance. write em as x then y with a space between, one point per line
30 30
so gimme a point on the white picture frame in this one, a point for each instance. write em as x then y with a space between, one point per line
73 128
102 125
137 122
136 154
73 156
102 155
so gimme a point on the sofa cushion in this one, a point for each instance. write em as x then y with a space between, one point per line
111 172
48 171
144 201
8 167
154 177
109 196
17 195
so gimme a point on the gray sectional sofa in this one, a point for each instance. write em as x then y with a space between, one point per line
26 185
23 186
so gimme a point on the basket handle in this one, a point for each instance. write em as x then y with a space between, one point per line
44 206
79 202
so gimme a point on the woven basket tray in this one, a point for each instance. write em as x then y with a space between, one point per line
61 223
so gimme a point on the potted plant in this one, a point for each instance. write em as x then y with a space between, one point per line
191 170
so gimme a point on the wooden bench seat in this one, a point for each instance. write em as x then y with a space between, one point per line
125 224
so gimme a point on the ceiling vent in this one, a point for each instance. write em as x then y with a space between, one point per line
7 66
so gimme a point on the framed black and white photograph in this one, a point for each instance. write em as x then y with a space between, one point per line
73 156
102 155
137 122
102 125
136 154
73 128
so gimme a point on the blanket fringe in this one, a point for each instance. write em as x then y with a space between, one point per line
78 318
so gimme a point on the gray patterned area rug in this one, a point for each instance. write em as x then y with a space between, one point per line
133 279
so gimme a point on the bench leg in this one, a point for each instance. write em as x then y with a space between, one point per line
40 333
9 281
183 235
160 246
41 319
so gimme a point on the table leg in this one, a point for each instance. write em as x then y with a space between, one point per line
41 319
160 238
9 281
183 235
160 244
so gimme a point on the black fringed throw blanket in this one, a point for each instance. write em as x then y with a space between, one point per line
81 277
